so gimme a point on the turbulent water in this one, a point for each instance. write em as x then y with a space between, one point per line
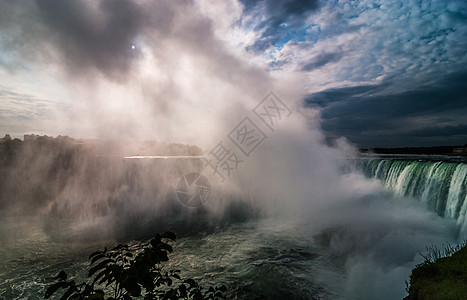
363 247
440 182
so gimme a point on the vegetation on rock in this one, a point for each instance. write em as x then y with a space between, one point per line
443 275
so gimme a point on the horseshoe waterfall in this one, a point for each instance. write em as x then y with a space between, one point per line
441 185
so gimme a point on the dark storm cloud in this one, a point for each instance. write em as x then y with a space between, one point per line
87 36
98 37
321 60
327 97
370 117
82 36
416 52
460 130
282 18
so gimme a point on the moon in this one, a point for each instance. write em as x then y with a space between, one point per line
133 47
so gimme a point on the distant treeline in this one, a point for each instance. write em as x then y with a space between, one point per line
70 176
11 149
444 150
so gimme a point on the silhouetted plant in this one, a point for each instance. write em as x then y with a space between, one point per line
433 253
129 271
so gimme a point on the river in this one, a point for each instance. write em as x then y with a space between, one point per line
362 246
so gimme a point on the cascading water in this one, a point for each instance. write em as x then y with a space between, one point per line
442 185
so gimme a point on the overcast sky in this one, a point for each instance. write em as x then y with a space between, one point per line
381 73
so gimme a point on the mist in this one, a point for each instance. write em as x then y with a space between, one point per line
137 71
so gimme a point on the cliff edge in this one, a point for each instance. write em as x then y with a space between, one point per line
445 278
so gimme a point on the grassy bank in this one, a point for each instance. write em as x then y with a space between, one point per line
440 277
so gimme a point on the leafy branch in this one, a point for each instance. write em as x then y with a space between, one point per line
129 271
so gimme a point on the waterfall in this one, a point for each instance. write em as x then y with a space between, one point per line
442 185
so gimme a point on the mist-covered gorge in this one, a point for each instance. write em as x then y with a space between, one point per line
290 225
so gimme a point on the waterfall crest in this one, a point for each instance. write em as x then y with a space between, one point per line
441 185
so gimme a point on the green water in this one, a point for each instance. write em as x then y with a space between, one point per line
442 185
